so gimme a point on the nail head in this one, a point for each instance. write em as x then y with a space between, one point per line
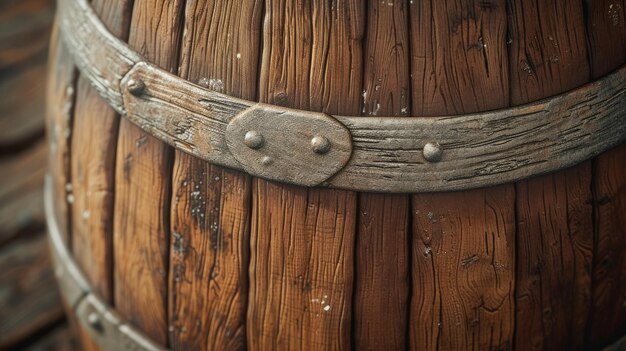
432 152
320 144
136 86
253 139
94 321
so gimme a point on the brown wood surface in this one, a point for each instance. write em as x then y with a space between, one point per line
211 205
94 140
302 241
463 258
142 186
30 299
606 30
507 267
381 285
59 110
554 216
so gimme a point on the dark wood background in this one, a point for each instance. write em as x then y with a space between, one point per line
31 313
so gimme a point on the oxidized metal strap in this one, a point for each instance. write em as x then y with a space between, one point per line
380 154
101 321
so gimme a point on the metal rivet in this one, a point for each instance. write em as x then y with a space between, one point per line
94 321
253 139
267 160
432 152
136 86
320 144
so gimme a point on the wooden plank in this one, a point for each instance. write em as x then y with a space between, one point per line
93 165
381 287
21 195
142 186
59 110
463 261
302 241
554 216
210 216
30 299
462 248
606 30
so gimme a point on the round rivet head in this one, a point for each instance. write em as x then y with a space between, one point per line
320 144
432 152
136 86
267 160
94 321
253 139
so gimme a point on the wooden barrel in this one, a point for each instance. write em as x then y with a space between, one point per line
184 218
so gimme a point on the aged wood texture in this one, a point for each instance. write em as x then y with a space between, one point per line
606 29
554 216
94 141
463 243
463 270
21 201
209 248
302 240
59 109
381 284
30 300
478 150
142 186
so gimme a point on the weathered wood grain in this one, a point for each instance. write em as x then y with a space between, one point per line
29 299
94 141
21 200
59 109
210 216
554 254
381 285
548 53
463 256
606 30
554 230
142 186
302 241
478 149
463 263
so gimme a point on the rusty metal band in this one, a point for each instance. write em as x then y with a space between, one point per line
106 328
378 154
